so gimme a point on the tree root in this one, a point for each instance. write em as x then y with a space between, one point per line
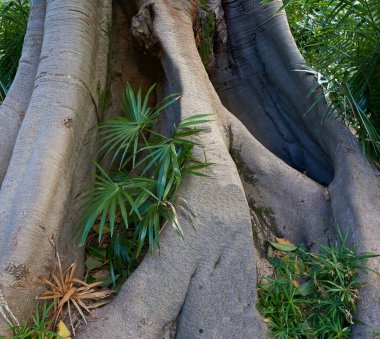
206 285
297 206
16 103
37 205
256 80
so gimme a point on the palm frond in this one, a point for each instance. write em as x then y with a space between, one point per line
112 195
66 289
121 136
143 203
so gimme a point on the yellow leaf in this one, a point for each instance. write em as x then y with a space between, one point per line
63 331
283 241
297 270
296 283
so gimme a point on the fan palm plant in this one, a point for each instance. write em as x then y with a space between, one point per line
14 19
140 203
123 134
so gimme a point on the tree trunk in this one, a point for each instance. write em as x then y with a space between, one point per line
52 156
275 168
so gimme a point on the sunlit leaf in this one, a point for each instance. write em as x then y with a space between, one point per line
63 331
284 248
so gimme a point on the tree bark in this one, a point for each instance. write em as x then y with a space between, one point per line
299 175
13 108
51 159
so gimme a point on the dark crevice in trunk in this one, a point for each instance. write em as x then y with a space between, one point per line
248 86
128 62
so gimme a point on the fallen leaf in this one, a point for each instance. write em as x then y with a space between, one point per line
296 283
270 252
284 248
305 288
283 241
100 275
297 268
63 331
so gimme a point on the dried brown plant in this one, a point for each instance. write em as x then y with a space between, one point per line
64 289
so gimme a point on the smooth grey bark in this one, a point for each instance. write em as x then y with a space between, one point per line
210 277
13 108
294 205
255 78
206 285
52 157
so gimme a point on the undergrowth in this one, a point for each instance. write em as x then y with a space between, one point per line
38 327
311 294
133 195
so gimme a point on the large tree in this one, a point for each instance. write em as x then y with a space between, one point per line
275 168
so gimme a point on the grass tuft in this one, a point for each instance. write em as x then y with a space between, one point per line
311 294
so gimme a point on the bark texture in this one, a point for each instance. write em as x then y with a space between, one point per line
297 175
205 284
52 156
255 78
13 109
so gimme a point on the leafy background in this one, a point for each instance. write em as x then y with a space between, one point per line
340 41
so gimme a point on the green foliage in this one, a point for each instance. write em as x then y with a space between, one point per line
119 192
14 18
123 134
312 295
340 40
205 41
133 200
39 326
118 258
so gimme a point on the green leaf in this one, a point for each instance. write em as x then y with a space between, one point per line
93 262
305 288
97 252
284 248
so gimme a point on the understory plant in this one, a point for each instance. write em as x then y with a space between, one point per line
68 293
64 295
311 294
133 196
39 327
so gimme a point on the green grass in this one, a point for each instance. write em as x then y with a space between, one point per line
38 328
311 294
